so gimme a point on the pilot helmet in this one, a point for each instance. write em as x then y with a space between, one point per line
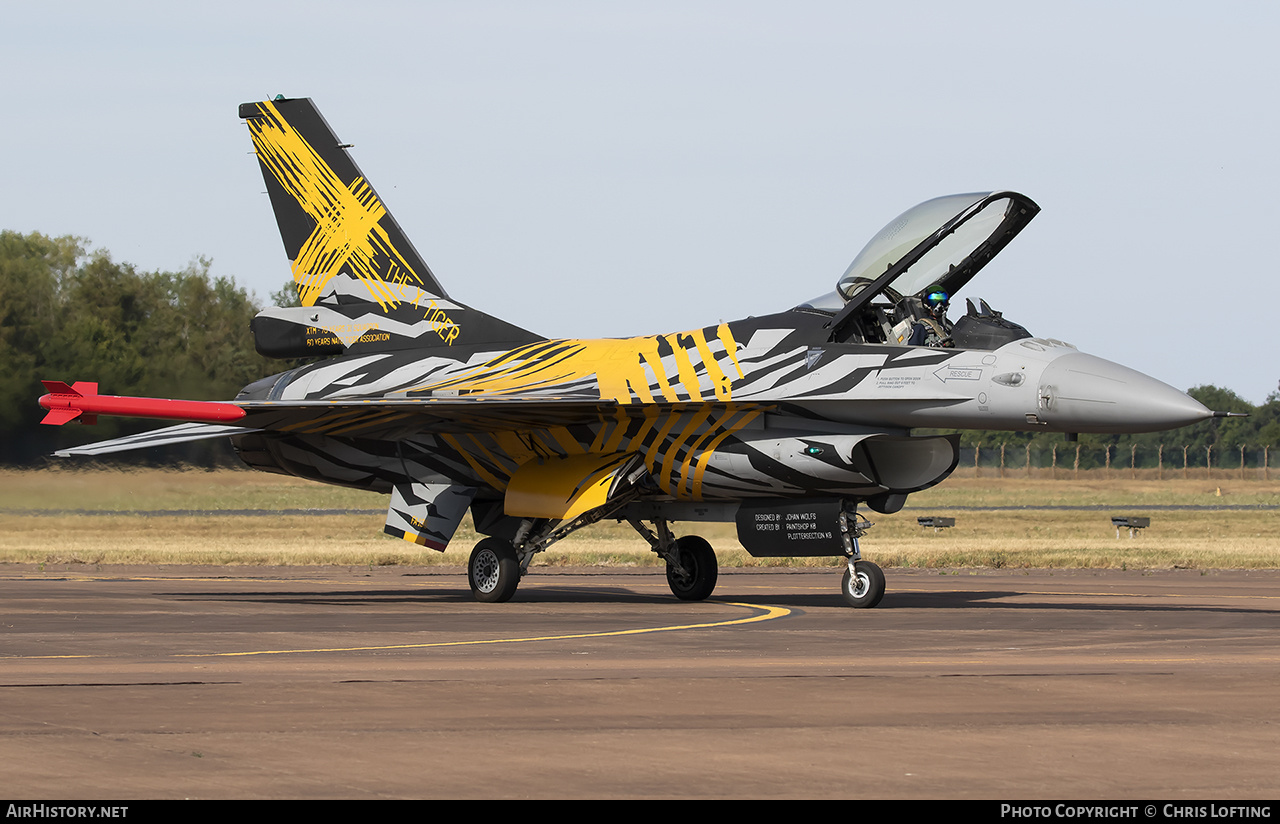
936 299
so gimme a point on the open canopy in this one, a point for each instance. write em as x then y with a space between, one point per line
943 241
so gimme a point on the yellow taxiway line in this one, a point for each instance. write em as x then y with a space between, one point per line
763 613
766 613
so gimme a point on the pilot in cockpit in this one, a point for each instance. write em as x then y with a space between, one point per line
933 328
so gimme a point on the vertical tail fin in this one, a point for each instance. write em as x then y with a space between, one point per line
362 284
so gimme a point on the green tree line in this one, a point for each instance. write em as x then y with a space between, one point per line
69 314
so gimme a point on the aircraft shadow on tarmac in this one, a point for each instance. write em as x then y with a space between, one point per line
546 593
368 597
990 600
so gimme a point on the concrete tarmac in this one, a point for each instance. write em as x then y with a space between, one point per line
250 682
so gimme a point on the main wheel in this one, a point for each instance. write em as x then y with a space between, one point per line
695 578
864 588
494 571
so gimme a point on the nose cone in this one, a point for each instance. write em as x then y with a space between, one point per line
1081 393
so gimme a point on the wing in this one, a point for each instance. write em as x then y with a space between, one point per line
396 418
378 418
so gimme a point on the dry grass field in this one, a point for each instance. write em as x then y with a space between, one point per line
103 516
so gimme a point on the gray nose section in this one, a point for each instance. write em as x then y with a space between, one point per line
1081 393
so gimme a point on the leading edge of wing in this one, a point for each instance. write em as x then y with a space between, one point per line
377 416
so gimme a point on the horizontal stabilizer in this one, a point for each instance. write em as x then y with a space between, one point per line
181 433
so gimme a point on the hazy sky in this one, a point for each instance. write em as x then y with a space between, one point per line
611 168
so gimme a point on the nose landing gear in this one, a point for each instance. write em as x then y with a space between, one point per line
863 584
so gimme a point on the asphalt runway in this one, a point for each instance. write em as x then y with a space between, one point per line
240 682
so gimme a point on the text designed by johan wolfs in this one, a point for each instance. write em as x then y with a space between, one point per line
1161 811
798 526
64 811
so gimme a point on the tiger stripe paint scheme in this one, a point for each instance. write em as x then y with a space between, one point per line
352 231
794 418
698 414
427 514
362 284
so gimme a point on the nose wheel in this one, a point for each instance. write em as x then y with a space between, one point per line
863 585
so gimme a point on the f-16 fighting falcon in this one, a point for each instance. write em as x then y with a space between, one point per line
784 424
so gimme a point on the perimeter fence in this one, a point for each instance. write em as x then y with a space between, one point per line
1160 462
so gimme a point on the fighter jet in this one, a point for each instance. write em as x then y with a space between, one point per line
784 424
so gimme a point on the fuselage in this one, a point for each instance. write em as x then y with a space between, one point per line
764 407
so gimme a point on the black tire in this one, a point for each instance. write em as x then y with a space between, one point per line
698 580
493 571
864 588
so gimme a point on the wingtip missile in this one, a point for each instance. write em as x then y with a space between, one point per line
81 401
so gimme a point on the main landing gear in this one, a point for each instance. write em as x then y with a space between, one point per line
497 565
494 570
692 568
693 576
